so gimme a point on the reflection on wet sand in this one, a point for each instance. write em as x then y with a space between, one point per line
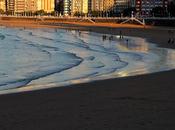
61 57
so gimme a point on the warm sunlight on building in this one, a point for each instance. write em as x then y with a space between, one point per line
20 6
2 5
46 5
97 5
108 4
31 5
85 6
10 6
25 6
80 6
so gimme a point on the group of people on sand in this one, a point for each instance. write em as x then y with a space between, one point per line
171 39
104 37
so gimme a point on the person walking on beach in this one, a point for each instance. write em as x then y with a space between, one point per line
171 36
104 37
120 33
111 38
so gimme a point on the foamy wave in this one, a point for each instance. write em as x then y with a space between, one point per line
39 57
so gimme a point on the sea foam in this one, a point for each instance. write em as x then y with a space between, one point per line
55 57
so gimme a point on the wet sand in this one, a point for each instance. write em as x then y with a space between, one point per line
158 35
138 102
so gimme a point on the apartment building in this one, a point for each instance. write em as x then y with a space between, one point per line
80 6
67 7
97 5
20 6
2 5
120 5
25 6
108 5
10 6
145 6
46 5
31 5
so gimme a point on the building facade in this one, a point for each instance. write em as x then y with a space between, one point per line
2 5
67 9
20 6
144 7
97 5
59 6
120 5
108 5
80 6
46 5
10 6
76 6
31 5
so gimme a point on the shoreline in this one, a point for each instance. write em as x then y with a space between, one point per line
136 102
150 33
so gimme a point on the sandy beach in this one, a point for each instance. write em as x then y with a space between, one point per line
145 102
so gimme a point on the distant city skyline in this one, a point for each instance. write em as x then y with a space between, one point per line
70 7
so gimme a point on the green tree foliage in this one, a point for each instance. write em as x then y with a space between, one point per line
28 13
40 12
2 11
95 13
9 12
79 14
53 13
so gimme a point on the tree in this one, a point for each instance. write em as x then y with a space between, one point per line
95 13
53 13
78 14
9 12
40 12
2 11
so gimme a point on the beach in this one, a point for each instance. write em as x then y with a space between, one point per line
137 102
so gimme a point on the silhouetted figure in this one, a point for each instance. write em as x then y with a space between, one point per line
79 32
104 37
127 42
120 33
171 36
111 38
169 41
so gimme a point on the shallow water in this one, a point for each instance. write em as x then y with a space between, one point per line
41 58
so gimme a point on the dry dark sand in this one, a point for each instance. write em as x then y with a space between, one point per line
144 102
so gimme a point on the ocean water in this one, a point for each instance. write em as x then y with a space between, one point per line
40 58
